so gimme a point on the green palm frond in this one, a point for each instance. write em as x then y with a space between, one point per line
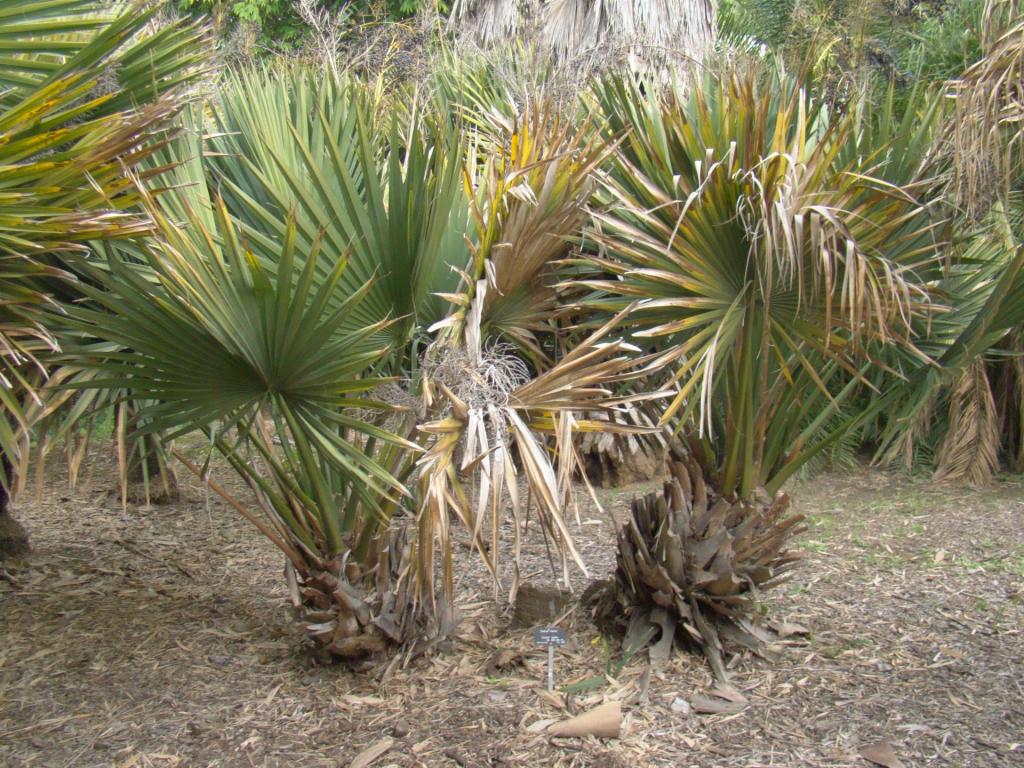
269 339
130 58
66 141
763 267
392 196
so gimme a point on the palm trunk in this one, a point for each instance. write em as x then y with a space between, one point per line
351 611
13 537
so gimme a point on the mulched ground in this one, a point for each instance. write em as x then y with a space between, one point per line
161 637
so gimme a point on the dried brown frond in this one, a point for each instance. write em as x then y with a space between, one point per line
970 450
489 432
691 563
985 141
488 378
903 450
639 34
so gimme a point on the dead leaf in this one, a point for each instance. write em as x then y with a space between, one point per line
540 725
604 721
371 753
729 693
881 753
556 700
715 706
503 660
349 698
786 629
681 705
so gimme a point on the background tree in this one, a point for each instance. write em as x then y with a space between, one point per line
596 33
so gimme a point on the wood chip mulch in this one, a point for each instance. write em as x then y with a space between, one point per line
161 637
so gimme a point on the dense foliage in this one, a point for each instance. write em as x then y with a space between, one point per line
282 26
385 301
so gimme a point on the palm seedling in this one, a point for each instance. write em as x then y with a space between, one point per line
763 267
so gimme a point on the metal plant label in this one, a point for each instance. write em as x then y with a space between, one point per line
550 636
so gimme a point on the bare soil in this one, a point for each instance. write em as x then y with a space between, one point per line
161 637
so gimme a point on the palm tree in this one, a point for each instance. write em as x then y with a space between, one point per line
959 413
260 358
355 316
84 94
595 33
764 266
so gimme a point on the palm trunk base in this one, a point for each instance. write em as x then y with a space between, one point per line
339 618
691 564
614 469
354 611
162 491
13 537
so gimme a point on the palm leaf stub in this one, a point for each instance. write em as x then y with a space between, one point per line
694 562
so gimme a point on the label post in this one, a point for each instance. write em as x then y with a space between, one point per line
550 636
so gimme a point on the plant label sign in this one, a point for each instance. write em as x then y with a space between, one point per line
550 636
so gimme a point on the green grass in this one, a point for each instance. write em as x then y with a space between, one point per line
812 545
887 561
1011 564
